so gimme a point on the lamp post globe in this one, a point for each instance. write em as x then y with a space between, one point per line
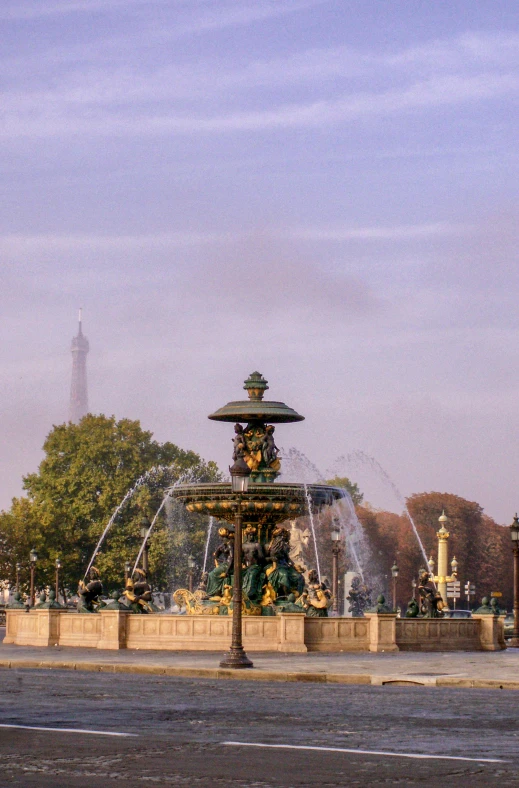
236 656
514 534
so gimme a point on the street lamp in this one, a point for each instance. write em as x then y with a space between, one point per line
58 567
127 570
18 567
394 573
191 564
33 557
336 549
236 657
514 533
145 527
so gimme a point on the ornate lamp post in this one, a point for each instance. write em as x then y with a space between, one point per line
127 570
18 567
33 557
236 656
58 567
191 565
145 526
514 533
336 549
394 574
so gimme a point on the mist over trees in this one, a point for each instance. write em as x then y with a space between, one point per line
481 546
87 470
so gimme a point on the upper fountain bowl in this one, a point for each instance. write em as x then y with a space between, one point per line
255 408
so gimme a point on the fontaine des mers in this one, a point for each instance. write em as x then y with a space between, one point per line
284 605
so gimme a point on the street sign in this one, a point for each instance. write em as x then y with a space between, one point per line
470 589
453 589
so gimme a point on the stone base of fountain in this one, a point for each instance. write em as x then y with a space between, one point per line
288 632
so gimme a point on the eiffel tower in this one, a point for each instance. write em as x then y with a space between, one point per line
78 389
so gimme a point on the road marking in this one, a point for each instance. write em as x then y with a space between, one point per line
66 730
364 752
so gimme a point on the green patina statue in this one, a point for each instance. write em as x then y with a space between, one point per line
489 608
49 603
113 603
90 593
17 603
412 609
381 606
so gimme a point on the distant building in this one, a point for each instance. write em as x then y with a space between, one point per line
78 389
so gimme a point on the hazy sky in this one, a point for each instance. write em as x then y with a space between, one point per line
324 190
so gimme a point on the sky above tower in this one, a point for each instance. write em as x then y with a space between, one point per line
324 190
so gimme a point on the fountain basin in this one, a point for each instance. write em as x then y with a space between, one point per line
263 505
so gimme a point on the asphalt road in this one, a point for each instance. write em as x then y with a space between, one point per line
184 731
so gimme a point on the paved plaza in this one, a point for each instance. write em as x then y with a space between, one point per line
453 669
65 729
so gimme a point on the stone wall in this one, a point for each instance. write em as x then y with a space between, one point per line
337 634
290 632
481 633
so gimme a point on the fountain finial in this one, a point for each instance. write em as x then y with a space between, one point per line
255 386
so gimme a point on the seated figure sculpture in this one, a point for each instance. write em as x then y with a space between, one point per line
359 598
282 574
316 598
90 593
223 560
253 567
138 593
431 602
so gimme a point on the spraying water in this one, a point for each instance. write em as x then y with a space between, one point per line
146 477
357 458
209 532
312 526
148 532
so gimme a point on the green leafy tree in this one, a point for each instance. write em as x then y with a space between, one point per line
87 470
342 481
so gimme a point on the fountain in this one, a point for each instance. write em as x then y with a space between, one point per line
284 603
272 582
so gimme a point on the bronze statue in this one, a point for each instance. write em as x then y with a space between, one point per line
239 442
359 598
431 602
90 593
269 450
316 598
282 574
223 560
253 562
412 609
138 593
16 603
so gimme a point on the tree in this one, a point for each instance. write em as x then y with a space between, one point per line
87 470
481 546
342 481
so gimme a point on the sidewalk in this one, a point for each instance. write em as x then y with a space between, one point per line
492 670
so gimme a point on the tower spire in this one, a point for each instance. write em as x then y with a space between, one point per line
78 389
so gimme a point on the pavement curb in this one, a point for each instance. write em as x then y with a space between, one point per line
263 675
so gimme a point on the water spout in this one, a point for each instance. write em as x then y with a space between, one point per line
312 525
